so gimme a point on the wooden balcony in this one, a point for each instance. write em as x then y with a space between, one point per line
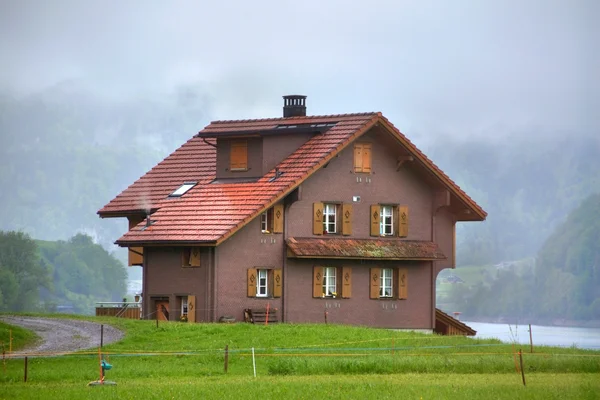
119 309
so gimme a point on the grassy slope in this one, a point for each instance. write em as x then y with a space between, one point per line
21 337
322 361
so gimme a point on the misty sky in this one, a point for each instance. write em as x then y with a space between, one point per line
462 67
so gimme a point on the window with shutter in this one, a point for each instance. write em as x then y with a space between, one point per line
277 282
317 218
238 158
346 219
278 218
402 284
403 221
375 220
262 283
190 257
329 282
386 288
374 283
330 220
317 281
266 221
362 157
252 278
135 254
346 282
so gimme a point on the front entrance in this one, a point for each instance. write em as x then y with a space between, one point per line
162 310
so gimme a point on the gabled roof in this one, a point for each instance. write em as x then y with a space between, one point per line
381 249
211 213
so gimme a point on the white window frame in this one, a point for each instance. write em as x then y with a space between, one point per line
184 305
264 222
329 282
386 283
183 189
329 210
386 228
264 287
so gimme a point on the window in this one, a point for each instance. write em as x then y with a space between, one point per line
329 282
389 220
181 190
190 257
329 218
386 225
262 283
266 221
184 305
238 156
362 157
386 283
386 288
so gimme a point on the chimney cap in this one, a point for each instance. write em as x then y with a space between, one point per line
294 105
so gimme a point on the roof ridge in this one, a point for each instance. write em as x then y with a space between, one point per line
294 118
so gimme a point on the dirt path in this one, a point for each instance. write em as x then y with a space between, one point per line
62 335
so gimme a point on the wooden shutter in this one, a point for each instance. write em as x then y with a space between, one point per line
358 158
186 256
366 158
278 218
403 216
251 282
402 283
135 254
374 283
191 309
195 257
396 217
239 156
317 281
346 282
317 218
375 219
346 219
277 282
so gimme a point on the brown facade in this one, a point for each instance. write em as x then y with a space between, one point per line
220 284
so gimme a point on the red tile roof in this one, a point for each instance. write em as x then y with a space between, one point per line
382 249
213 212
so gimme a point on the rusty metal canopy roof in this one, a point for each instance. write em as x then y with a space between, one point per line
380 249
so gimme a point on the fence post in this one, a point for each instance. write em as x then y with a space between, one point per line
25 374
530 339
101 335
226 357
253 362
522 369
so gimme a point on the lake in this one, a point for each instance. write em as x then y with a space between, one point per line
583 338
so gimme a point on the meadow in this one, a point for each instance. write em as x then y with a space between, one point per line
176 360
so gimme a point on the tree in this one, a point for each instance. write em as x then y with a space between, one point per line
21 272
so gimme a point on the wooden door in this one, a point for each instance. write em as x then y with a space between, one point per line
162 310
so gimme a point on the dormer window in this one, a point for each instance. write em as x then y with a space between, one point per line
238 156
183 189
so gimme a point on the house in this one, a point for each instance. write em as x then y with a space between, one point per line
337 217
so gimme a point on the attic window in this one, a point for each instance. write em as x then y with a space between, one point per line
183 189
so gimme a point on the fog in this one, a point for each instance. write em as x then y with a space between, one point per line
432 67
503 96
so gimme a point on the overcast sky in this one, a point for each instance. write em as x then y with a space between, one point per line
468 66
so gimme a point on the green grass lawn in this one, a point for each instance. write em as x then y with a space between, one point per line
179 360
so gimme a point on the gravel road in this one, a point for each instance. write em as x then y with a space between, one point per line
62 335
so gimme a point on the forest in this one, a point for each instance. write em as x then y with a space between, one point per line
57 276
81 150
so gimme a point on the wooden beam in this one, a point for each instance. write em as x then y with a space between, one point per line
401 160
442 199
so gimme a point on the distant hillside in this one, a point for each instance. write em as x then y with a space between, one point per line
564 282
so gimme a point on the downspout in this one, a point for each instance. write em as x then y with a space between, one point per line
432 280
284 264
208 289
145 294
215 285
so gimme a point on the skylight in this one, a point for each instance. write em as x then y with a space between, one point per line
183 189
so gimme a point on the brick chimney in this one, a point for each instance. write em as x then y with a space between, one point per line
294 105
